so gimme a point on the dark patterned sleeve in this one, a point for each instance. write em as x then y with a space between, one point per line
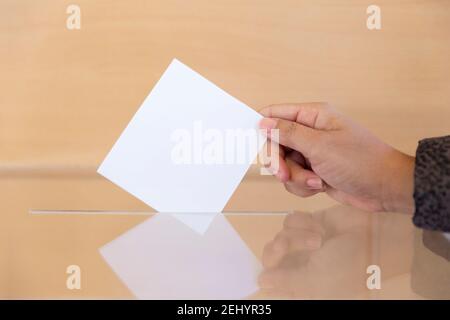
432 184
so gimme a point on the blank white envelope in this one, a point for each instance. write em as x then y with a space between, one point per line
141 161
162 258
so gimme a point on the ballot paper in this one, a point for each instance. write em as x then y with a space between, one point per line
162 258
186 149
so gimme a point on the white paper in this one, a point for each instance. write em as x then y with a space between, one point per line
141 161
163 258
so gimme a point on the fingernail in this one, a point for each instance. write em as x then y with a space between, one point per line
314 183
268 123
314 242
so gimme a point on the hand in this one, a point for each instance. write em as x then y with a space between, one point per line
311 259
326 254
323 151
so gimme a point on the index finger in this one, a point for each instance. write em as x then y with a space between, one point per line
304 113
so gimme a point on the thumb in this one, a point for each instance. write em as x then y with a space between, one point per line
291 134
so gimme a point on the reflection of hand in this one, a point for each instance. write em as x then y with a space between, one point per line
326 254
321 150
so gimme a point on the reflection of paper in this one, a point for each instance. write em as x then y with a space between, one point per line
162 258
141 161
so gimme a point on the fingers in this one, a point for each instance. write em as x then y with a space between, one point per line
291 134
316 115
303 221
290 170
273 158
284 272
274 252
300 233
298 158
276 278
301 240
299 125
302 182
273 161
289 280
289 241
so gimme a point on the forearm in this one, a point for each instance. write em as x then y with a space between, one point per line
398 183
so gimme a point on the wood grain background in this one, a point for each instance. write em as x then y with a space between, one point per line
65 96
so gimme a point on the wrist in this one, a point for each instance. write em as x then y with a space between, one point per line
398 183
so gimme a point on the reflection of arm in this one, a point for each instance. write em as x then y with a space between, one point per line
430 275
390 236
396 242
432 184
438 243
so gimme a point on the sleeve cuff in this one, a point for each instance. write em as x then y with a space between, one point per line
432 184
